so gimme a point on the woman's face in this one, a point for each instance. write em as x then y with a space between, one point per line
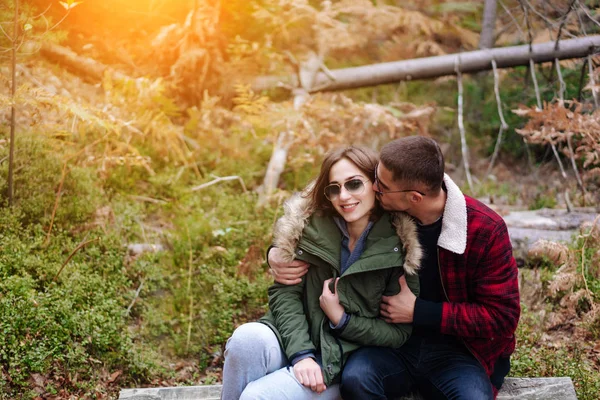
351 206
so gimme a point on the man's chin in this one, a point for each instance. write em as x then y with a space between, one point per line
387 207
392 208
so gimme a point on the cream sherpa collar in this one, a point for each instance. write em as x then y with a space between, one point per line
454 222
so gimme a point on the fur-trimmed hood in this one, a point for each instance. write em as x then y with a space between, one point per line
298 209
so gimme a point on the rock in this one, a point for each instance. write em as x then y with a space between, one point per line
513 388
538 389
530 220
549 219
207 392
523 238
135 249
556 225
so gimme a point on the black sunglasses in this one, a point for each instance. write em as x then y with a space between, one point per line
353 186
380 193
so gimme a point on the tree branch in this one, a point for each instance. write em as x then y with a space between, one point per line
592 80
503 124
544 18
562 23
43 12
81 245
528 23
587 12
217 180
540 107
573 164
13 108
6 34
512 17
562 85
135 297
461 125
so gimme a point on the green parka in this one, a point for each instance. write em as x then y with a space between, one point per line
295 315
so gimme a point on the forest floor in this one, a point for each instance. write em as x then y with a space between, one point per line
558 321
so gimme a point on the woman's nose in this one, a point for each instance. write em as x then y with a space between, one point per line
344 194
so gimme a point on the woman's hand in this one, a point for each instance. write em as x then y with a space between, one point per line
330 302
309 374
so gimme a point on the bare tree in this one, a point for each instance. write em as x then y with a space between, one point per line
13 109
16 40
486 38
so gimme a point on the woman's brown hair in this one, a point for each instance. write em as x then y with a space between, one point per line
363 157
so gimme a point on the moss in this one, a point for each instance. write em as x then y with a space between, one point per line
37 178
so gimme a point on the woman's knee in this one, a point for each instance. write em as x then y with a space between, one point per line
251 393
250 341
274 386
249 335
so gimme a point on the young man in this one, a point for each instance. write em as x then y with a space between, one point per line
466 315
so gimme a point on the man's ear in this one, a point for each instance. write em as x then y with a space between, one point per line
415 197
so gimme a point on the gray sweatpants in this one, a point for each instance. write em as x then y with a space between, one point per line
256 368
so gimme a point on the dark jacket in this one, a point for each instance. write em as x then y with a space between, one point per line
479 277
295 314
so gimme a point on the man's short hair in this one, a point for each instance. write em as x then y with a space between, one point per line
415 160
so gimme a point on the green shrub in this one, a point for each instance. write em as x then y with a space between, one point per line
532 358
60 325
542 200
62 311
38 172
216 231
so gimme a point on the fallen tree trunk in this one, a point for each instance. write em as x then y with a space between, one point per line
433 67
87 68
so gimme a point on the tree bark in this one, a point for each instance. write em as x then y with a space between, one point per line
84 67
433 67
486 38
13 108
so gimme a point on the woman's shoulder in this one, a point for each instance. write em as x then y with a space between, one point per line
320 223
383 226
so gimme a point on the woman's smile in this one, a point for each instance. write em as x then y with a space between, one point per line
354 204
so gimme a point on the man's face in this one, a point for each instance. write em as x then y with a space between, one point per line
398 199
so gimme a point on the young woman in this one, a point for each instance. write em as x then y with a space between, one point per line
357 253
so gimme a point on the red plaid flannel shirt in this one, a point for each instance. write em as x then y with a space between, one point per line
482 288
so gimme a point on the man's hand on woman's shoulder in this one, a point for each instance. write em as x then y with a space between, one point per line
286 273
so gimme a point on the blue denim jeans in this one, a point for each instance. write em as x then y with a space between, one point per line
437 367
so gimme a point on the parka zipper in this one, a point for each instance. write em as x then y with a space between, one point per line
341 353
